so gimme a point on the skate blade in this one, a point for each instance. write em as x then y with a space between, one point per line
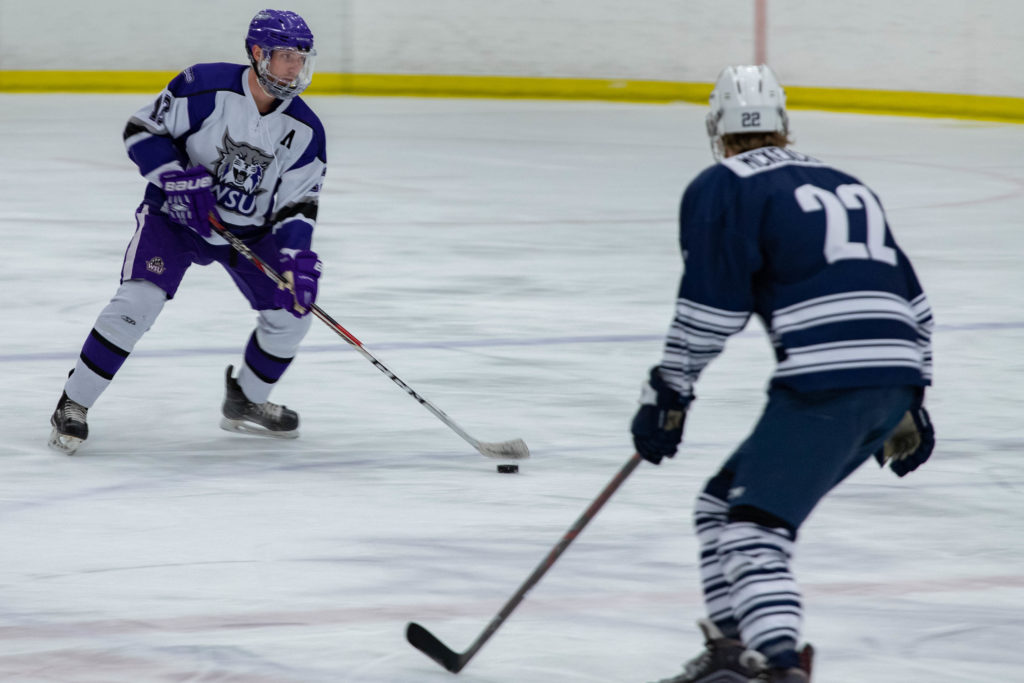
63 443
244 427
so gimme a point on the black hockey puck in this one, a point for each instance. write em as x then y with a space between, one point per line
508 469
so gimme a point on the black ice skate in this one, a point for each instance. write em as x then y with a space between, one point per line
795 675
783 676
724 660
263 419
69 426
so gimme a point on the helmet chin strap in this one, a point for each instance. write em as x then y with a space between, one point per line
717 148
259 84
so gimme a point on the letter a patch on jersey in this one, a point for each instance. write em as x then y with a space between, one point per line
287 140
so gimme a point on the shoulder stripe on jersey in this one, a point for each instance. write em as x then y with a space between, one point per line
206 78
697 335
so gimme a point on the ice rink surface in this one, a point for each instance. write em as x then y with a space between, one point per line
516 263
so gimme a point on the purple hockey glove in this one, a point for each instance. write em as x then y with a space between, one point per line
190 198
301 268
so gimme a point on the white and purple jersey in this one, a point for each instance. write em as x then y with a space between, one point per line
268 168
806 248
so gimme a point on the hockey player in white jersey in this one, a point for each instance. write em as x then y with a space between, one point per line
235 141
806 248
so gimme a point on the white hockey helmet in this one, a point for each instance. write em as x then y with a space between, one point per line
746 99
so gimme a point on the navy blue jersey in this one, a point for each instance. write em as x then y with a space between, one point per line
807 249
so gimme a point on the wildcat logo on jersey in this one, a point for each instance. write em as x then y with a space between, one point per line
240 172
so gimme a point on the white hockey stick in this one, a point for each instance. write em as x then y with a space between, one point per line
515 449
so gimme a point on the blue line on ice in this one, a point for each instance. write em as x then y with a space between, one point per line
466 343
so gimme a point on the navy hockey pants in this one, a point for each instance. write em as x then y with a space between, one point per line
804 444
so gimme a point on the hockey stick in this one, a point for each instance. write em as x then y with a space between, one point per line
515 449
427 643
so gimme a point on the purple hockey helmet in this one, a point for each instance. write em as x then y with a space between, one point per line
280 31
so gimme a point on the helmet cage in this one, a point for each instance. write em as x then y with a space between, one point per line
274 31
276 86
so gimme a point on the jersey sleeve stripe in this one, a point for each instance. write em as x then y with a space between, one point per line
305 209
153 152
135 128
697 335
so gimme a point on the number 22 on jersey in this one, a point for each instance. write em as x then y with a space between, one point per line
837 206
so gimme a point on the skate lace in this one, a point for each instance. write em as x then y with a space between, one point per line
705 663
693 670
73 412
269 410
699 665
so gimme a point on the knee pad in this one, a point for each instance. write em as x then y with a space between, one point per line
128 315
746 550
279 333
131 312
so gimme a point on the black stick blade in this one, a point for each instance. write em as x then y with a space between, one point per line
425 641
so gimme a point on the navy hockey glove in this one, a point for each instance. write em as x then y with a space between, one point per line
658 425
190 198
301 268
911 443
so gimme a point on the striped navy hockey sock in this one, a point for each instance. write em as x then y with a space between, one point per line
762 591
710 517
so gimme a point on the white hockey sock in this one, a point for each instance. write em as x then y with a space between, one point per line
762 591
270 350
710 517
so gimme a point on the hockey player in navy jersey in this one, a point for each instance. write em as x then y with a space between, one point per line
235 141
806 248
